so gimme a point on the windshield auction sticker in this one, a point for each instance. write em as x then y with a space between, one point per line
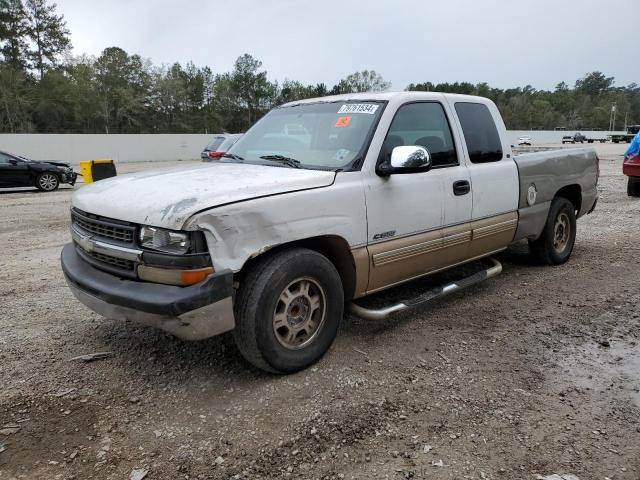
343 122
369 108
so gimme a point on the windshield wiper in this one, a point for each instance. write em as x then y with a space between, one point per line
232 155
290 162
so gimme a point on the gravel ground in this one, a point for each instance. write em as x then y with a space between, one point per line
534 372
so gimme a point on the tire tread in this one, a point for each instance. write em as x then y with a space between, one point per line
633 187
248 297
542 248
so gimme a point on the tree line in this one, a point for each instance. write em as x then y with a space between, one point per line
43 89
585 106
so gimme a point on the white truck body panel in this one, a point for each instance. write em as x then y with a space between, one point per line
405 204
457 208
488 179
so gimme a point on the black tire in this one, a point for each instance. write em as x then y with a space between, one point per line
47 182
633 187
259 297
549 248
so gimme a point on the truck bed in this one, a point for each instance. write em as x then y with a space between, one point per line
546 173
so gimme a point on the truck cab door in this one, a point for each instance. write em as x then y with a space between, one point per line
495 186
407 213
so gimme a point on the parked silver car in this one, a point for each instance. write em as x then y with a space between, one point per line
218 146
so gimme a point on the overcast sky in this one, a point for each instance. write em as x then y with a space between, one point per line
503 42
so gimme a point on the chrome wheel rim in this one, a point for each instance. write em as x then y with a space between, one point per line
561 231
300 313
48 181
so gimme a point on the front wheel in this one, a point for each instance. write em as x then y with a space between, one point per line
288 310
47 182
555 244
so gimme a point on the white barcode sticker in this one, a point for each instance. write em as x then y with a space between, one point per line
369 108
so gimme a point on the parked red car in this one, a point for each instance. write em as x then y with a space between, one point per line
631 167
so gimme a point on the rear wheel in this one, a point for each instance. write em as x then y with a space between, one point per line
47 182
555 244
633 187
288 310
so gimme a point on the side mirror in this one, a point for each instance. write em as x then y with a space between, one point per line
13 162
406 159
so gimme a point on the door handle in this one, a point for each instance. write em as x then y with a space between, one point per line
461 187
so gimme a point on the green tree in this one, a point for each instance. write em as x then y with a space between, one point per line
48 33
594 84
293 90
251 88
15 101
14 28
364 81
84 96
123 89
171 91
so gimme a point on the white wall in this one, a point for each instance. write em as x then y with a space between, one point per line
121 148
169 147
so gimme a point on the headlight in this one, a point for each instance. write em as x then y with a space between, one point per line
163 240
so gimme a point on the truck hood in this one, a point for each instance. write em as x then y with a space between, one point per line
167 198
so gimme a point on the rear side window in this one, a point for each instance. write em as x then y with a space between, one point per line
227 144
480 132
215 143
424 124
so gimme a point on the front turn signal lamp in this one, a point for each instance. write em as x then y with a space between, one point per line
173 276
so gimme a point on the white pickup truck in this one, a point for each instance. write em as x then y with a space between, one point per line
322 202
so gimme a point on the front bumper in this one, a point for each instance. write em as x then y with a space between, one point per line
69 178
191 313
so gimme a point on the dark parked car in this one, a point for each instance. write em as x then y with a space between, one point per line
218 146
16 171
577 138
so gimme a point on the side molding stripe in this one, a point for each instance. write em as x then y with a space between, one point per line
421 248
452 240
494 229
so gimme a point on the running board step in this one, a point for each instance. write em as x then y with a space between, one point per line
428 296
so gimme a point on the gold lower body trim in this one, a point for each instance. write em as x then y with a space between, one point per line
403 259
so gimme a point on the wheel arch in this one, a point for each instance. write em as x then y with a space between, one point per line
573 193
335 248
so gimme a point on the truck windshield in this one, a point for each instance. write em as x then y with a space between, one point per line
319 136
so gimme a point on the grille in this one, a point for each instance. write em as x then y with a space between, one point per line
113 261
103 229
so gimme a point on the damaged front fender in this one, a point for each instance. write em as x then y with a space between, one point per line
244 230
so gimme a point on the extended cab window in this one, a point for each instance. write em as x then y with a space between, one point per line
423 124
480 132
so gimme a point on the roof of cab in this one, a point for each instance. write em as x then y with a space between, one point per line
387 96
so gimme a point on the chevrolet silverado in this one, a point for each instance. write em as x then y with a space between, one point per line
322 202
